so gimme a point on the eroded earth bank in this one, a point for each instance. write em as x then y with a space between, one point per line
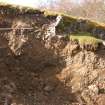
39 65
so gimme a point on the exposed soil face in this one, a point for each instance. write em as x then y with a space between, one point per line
42 77
32 78
40 70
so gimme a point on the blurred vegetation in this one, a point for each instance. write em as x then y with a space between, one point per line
91 9
85 38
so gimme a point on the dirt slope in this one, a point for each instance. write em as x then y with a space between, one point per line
40 66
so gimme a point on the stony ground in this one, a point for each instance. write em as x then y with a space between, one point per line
42 77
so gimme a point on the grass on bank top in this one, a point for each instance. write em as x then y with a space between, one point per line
85 38
66 19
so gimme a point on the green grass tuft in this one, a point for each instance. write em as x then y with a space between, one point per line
85 38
